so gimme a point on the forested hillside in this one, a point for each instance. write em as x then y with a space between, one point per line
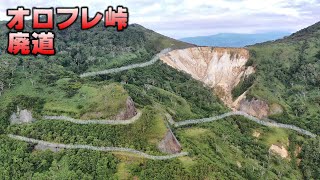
226 149
234 39
288 74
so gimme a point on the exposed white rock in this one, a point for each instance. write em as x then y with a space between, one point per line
23 116
281 151
14 119
219 68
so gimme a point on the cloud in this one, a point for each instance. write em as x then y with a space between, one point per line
180 18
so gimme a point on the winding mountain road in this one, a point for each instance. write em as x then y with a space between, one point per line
124 68
269 123
94 121
95 148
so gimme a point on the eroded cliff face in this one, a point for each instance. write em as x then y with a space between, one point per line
219 68
129 112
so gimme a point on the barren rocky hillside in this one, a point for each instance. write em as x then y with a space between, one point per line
87 114
219 68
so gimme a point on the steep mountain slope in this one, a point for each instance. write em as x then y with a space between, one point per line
288 75
219 68
285 85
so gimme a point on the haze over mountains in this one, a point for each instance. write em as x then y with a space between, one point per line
234 39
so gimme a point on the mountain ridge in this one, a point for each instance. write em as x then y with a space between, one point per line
234 39
285 79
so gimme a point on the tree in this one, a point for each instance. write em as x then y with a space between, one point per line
310 163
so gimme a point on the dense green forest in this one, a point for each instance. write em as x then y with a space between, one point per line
287 74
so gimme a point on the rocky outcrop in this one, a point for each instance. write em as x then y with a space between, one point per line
169 144
22 116
256 134
219 68
129 111
281 151
254 107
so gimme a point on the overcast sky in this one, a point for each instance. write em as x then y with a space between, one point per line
185 18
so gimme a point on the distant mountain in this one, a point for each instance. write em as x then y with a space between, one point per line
234 40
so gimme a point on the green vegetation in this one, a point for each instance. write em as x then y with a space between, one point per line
287 74
142 135
89 102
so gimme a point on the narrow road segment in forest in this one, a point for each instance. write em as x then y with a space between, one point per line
95 148
124 68
94 121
